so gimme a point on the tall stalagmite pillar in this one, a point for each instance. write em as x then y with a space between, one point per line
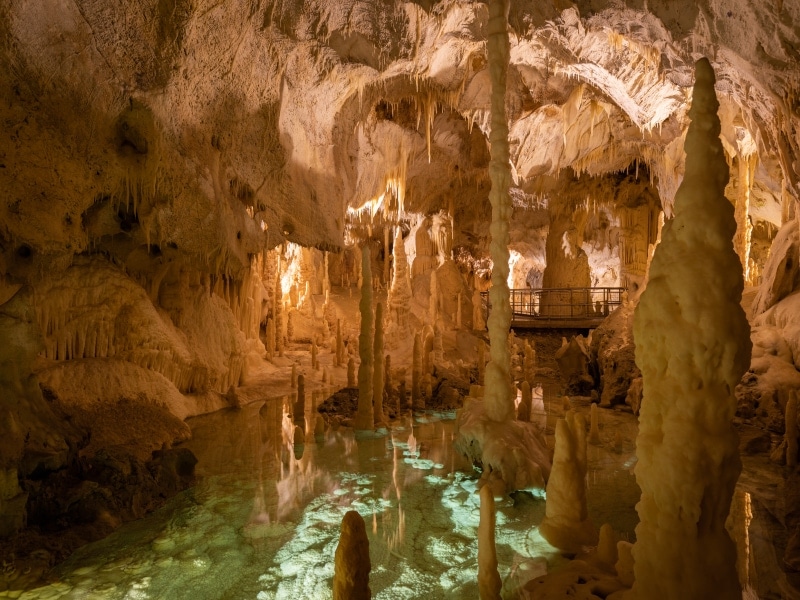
498 394
692 346
364 416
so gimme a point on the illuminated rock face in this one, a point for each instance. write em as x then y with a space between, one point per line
692 346
172 149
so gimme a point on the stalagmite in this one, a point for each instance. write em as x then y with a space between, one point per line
498 394
566 524
489 583
594 429
607 546
352 564
524 408
324 374
400 297
378 369
690 319
314 353
365 418
351 373
416 368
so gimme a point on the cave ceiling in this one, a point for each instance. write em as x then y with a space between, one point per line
215 130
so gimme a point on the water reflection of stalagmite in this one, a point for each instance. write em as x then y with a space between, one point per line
488 577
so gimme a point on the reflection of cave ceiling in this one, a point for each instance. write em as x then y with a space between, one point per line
214 129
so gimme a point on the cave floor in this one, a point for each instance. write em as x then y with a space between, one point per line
263 520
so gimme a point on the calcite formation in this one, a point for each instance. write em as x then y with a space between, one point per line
352 564
365 415
566 524
692 346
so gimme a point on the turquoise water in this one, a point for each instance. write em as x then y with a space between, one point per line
263 520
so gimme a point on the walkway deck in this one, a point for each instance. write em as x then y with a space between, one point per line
560 308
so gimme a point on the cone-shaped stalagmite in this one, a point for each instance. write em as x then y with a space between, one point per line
566 524
498 394
352 564
365 417
692 346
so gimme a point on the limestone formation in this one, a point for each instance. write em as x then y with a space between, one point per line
378 381
352 563
365 418
566 524
689 317
351 373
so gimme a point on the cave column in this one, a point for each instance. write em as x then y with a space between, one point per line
498 394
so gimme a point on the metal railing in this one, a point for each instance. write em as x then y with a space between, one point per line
561 304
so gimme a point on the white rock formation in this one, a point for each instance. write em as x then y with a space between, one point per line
692 346
566 524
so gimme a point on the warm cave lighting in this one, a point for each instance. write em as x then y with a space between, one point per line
536 333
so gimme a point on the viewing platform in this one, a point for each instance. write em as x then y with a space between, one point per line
560 308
